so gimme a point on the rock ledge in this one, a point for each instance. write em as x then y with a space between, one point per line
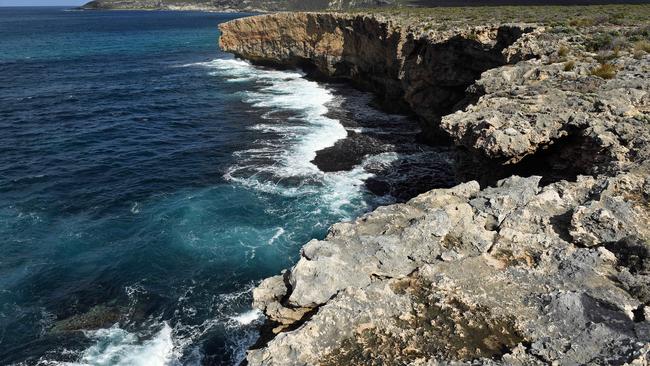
535 270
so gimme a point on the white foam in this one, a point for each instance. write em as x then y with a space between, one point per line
248 317
297 124
291 92
117 347
342 186
162 344
278 233
288 91
297 139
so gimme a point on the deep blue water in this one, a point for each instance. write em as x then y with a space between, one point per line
147 182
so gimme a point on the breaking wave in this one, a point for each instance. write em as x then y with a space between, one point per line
296 125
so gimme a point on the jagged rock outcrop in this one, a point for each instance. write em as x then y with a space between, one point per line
531 271
498 275
534 104
497 78
376 54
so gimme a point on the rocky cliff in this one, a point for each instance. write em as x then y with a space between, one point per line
233 5
553 268
377 54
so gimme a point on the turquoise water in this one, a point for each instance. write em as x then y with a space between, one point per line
147 182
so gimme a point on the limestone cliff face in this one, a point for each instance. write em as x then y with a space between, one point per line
525 272
494 79
376 54
233 5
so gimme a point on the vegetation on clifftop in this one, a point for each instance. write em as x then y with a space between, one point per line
600 32
570 17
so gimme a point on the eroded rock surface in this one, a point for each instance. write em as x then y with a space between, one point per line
512 93
530 271
465 274
376 54
532 105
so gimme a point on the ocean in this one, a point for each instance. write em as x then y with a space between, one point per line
148 181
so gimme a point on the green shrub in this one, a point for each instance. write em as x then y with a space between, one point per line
599 42
564 29
618 43
604 57
638 34
616 19
605 71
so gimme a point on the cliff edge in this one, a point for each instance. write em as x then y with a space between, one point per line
231 5
552 268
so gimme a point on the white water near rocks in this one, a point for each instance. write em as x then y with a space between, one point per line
295 126
163 344
118 347
124 240
298 126
294 109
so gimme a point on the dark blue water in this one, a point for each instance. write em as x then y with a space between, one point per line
147 182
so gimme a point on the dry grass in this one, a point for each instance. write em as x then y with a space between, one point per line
642 45
605 71
569 65
564 17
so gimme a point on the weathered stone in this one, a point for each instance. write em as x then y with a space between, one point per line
510 100
619 212
529 271
375 54
527 280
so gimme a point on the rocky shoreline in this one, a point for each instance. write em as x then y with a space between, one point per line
388 146
553 268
